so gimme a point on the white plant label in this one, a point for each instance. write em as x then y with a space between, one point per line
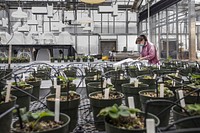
106 94
55 82
158 67
197 65
57 110
121 77
35 69
177 73
131 104
23 77
161 90
95 77
182 102
136 83
138 66
184 66
8 92
116 68
58 91
154 76
173 83
109 81
132 80
104 84
150 125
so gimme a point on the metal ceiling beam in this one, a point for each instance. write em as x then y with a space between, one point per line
69 5
136 5
157 7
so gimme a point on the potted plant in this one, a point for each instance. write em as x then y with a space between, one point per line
66 84
121 119
70 71
69 103
59 59
52 59
91 59
98 102
71 58
23 100
65 59
95 78
43 72
130 90
35 82
192 110
143 71
117 81
84 58
91 71
156 108
150 80
192 97
41 122
132 71
6 120
78 59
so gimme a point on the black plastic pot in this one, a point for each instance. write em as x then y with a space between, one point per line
130 90
89 80
94 86
36 88
92 73
23 100
6 121
9 73
178 115
156 108
142 72
70 73
118 83
98 104
72 87
150 82
132 72
62 129
113 129
69 108
191 99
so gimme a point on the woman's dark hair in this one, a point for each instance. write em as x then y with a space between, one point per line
140 38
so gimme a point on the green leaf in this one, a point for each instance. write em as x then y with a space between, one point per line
113 115
122 107
113 109
124 113
104 112
133 111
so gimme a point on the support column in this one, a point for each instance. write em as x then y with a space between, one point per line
192 30
177 33
167 31
198 34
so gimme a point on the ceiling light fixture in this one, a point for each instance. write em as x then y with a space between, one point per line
19 13
93 1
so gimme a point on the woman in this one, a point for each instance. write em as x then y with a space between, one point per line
149 51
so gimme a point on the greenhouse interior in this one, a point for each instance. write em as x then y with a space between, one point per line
129 66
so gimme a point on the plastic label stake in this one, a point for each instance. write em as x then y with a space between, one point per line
95 77
8 92
154 76
197 65
55 82
184 66
161 90
132 80
109 81
158 67
23 77
35 69
57 110
182 101
150 125
121 77
131 104
138 66
173 83
136 83
177 73
116 68
106 94
104 84
58 91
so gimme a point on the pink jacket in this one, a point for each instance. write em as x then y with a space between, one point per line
150 53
